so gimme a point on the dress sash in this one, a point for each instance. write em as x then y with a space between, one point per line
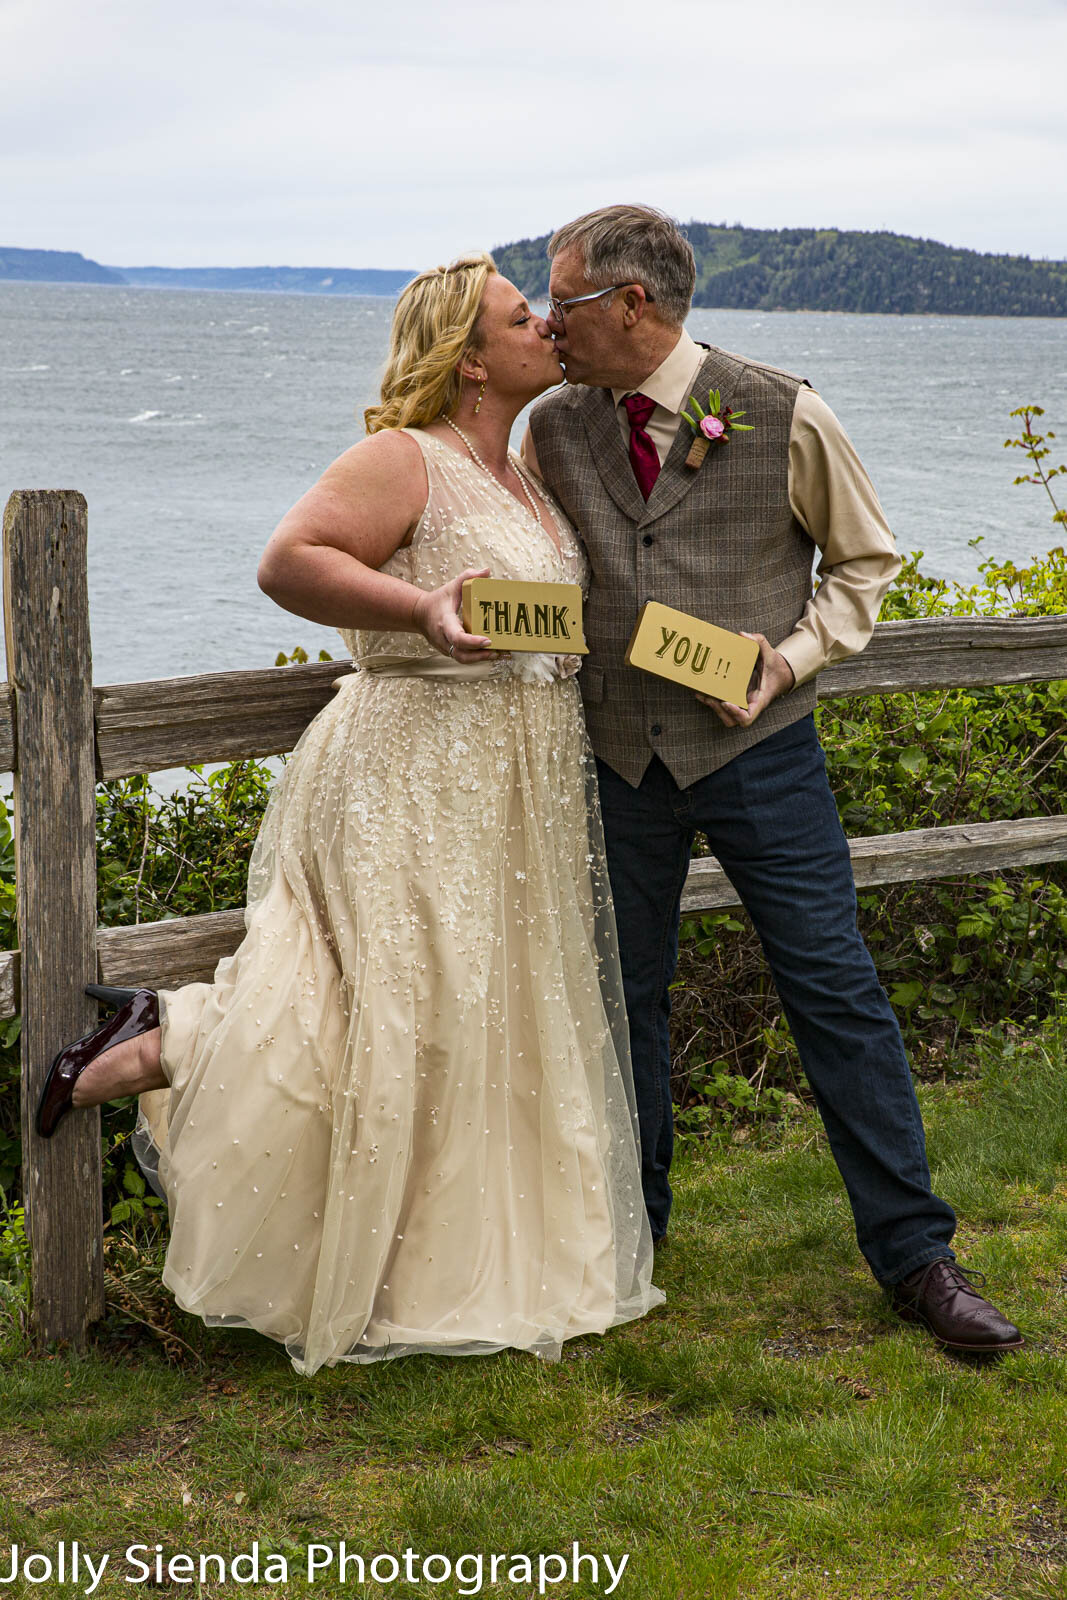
435 666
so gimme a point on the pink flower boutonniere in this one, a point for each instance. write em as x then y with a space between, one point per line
717 422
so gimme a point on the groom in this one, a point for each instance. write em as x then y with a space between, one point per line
733 541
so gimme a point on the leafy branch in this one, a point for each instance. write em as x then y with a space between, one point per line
1035 446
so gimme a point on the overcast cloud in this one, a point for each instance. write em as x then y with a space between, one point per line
340 134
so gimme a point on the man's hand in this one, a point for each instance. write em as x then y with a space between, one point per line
771 676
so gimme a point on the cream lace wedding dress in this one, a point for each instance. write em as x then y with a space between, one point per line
401 1118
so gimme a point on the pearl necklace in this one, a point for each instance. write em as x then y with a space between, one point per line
520 475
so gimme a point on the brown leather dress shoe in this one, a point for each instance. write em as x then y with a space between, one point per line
138 1015
942 1296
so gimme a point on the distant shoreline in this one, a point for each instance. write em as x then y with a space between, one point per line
818 270
71 267
365 294
200 288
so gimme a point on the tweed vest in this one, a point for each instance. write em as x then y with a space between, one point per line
720 542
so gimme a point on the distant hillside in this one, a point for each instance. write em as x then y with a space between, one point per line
53 266
766 269
291 280
809 269
66 266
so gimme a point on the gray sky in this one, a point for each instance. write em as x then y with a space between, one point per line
337 133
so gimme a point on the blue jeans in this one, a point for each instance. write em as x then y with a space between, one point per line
772 822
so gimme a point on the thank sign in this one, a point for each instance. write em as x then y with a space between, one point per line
525 616
699 655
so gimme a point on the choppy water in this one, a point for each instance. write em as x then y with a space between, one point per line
192 421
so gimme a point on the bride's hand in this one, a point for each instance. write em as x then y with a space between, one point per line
436 615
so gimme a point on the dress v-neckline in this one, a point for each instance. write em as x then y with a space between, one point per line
557 545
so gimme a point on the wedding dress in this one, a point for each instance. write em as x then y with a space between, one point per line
401 1118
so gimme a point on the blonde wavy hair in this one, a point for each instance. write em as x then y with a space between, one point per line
435 322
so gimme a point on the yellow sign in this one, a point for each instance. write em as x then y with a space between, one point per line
697 654
525 616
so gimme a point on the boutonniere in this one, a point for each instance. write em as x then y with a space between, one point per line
717 422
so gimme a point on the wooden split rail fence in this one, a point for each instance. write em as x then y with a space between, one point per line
60 735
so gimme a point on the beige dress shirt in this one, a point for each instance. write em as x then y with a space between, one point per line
831 497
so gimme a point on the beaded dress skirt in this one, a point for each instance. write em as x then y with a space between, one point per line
401 1117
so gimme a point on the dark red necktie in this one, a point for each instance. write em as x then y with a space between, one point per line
644 457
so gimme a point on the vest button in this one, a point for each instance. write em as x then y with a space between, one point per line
655 730
648 539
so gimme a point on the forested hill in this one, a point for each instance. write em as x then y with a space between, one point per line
791 269
824 269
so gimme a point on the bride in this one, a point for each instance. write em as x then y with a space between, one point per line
401 1117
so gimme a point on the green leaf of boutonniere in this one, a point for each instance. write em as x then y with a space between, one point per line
711 426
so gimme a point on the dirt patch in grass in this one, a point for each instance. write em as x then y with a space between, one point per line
1027 1556
165 1441
33 1475
636 1429
497 1447
1042 1534
809 1343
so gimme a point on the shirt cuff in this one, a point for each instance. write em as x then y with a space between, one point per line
804 654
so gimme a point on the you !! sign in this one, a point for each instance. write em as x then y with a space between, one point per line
697 654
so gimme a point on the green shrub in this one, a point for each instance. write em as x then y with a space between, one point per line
957 956
14 1264
179 854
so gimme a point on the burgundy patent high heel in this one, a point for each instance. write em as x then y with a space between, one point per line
109 996
140 1014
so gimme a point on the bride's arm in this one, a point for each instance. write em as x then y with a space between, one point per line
321 560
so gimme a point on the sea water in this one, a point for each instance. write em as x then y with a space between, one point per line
191 421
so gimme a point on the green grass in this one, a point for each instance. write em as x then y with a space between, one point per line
771 1432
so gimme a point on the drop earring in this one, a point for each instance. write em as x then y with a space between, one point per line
481 397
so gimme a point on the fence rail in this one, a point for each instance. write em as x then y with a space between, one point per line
225 716
60 735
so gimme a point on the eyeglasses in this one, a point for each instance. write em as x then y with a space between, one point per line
556 308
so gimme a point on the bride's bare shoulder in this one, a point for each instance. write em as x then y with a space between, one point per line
385 466
368 501
391 450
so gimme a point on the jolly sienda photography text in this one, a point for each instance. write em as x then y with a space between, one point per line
71 1564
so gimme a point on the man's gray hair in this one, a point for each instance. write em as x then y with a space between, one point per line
634 244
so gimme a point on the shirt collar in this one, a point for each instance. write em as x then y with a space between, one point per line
672 382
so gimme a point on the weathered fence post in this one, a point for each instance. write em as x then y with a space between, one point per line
49 666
